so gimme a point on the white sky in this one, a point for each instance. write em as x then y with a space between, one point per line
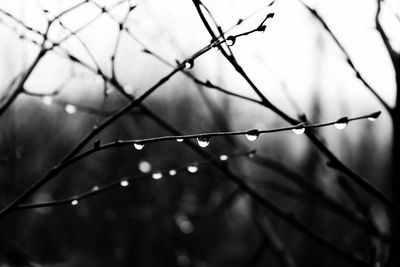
294 49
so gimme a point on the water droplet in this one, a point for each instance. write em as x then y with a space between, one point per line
172 172
184 224
144 166
157 175
230 40
70 109
374 116
299 129
179 140
186 227
74 202
189 64
124 183
251 154
203 141
138 146
340 126
192 168
252 135
223 158
95 188
341 123
183 260
47 100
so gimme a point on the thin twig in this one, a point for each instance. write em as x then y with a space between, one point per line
363 183
124 181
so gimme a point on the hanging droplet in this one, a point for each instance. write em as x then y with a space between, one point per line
340 126
252 135
95 188
192 168
74 202
189 64
230 40
374 116
223 158
70 109
179 140
144 166
138 146
251 154
299 129
203 141
124 183
157 175
47 100
341 123
172 172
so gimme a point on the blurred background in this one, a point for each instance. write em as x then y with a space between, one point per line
191 219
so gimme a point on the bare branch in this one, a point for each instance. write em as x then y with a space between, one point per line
363 183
